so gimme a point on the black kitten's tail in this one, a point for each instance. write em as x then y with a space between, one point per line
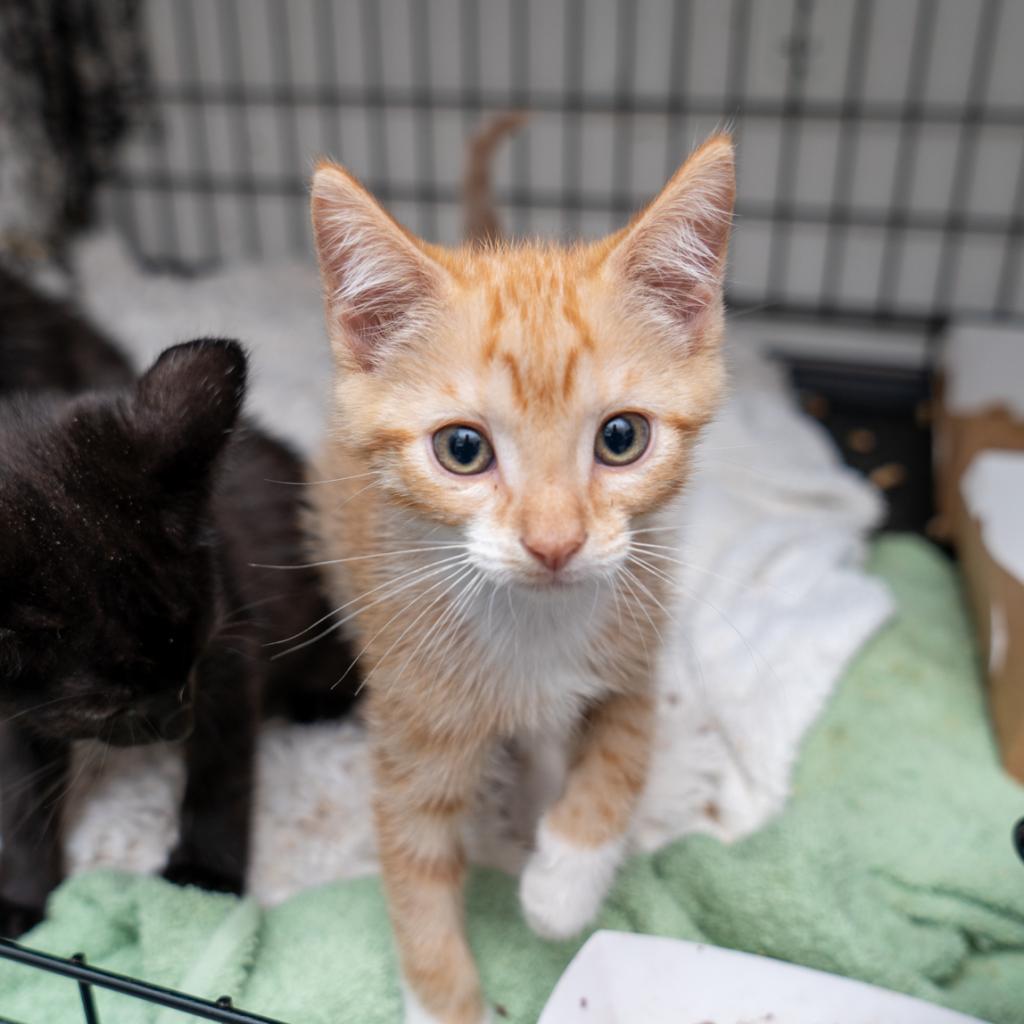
482 223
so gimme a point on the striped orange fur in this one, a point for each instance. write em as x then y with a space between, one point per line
510 602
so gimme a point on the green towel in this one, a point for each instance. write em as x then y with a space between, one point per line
891 863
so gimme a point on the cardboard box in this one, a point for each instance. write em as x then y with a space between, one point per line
980 408
979 468
990 541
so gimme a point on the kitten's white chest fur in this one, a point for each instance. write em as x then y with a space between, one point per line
539 651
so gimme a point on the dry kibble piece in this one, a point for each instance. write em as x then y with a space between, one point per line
888 475
816 406
861 440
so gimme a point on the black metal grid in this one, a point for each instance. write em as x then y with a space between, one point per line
278 110
87 978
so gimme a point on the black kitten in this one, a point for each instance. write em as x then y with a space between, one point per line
132 522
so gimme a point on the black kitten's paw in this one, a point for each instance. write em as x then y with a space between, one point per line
187 872
16 919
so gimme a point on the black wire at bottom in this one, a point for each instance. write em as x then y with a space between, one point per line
88 977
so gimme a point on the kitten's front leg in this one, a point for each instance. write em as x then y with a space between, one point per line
213 844
422 791
582 838
33 777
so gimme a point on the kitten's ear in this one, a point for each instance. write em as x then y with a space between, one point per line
380 285
187 403
673 254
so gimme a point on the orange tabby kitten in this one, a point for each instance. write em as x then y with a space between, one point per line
509 422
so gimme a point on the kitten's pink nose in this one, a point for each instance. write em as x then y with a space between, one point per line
553 552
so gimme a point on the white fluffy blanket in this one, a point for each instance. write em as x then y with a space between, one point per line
772 606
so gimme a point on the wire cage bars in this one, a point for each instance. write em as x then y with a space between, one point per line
881 144
88 978
881 153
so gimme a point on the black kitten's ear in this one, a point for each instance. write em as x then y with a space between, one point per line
187 403
10 659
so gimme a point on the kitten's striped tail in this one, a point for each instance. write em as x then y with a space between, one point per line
482 223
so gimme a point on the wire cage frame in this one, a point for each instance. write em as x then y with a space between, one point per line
881 145
881 155
88 978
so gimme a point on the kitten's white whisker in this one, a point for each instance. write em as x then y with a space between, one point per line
446 625
647 590
36 707
749 311
598 584
435 628
366 593
512 610
457 573
629 606
236 617
355 494
654 551
457 607
490 608
315 483
615 595
515 620
631 579
380 661
63 790
453 627
351 497
361 558
336 479
14 787
636 600
359 611
653 570
762 662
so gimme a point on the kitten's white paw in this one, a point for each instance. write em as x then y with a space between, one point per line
417 1013
563 885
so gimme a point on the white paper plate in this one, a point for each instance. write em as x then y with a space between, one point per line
620 978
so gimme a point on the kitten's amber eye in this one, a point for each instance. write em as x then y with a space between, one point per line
463 450
622 439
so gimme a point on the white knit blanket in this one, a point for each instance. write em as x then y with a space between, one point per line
773 604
